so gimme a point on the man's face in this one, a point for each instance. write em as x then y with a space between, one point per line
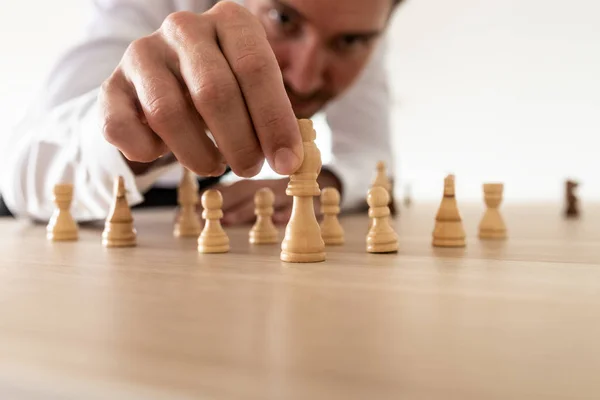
321 45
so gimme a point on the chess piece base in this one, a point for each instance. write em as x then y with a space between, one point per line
119 235
119 242
449 234
68 236
491 234
302 257
219 243
62 228
571 214
187 231
187 223
213 249
449 243
382 247
263 239
333 240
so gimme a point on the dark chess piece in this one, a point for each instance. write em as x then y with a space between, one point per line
572 208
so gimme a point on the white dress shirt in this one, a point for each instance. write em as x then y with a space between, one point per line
60 140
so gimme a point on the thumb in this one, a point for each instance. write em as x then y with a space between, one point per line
283 147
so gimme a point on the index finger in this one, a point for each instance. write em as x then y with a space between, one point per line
244 43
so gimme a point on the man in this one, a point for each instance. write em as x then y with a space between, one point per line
150 79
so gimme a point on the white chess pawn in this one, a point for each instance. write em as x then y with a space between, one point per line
448 231
264 231
62 226
492 225
382 180
213 238
118 228
331 229
381 237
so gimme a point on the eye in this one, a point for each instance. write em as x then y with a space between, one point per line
284 21
348 43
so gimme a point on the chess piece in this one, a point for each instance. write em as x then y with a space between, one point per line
407 196
303 242
492 226
213 238
331 229
188 222
381 237
264 231
118 229
572 209
382 180
449 231
62 226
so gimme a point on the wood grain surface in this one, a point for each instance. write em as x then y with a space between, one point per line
498 320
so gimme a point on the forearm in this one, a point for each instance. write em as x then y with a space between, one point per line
328 178
61 141
63 145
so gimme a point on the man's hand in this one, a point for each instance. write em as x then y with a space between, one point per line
238 199
212 71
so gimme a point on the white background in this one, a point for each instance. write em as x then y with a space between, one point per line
489 90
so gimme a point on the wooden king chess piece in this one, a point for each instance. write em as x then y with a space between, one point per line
188 221
213 238
448 231
492 225
118 229
381 237
303 242
264 231
331 229
62 226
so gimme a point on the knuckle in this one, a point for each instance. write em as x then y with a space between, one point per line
177 23
161 111
113 130
234 16
106 87
116 132
214 91
229 10
138 49
252 65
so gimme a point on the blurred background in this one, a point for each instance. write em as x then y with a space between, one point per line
488 90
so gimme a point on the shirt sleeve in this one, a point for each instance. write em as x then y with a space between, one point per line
360 131
60 139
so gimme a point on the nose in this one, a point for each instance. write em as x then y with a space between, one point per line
306 69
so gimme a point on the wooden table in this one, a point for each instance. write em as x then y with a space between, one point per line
511 320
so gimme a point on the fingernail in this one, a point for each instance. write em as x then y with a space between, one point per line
286 161
253 171
219 171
